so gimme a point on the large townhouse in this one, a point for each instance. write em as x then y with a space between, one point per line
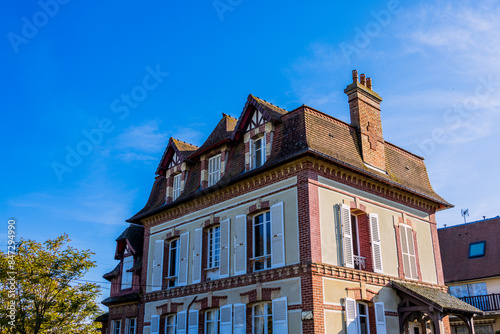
287 222
471 266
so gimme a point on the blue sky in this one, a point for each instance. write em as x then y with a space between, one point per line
131 74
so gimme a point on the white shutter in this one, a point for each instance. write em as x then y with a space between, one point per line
127 324
181 322
251 153
112 326
225 243
198 233
404 250
184 257
380 318
280 316
226 319
157 280
277 236
240 323
193 322
240 246
155 324
345 221
376 245
351 316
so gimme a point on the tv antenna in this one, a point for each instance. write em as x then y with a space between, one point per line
465 213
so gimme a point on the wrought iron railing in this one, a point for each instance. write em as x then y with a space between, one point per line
485 303
359 261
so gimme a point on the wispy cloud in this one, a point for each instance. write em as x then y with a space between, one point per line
145 138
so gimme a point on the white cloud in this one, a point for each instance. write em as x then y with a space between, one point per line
146 138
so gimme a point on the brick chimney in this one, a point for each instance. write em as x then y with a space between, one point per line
364 105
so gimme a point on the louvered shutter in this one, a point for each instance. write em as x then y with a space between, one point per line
345 221
404 251
411 252
181 322
264 150
240 246
380 318
376 245
226 319
280 316
277 236
225 243
113 326
158 249
197 249
251 154
193 322
155 324
351 314
184 257
240 323
127 324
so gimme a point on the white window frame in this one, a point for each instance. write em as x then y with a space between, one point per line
173 277
174 326
117 326
410 275
262 150
213 249
132 329
216 321
214 170
267 252
127 276
266 316
176 186
359 316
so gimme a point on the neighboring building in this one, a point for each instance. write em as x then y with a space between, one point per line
290 222
471 265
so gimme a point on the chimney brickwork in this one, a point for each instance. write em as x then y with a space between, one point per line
364 105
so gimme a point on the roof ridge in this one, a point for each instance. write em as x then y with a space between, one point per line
258 98
183 142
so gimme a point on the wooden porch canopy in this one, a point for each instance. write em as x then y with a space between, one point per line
435 303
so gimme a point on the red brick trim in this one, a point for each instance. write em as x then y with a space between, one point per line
401 271
334 307
391 314
417 258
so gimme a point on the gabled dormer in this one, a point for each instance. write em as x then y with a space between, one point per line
256 126
214 152
125 277
174 167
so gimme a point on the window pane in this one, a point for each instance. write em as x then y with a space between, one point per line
476 249
258 325
258 309
363 325
259 240
362 309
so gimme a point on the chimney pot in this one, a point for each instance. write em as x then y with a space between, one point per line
354 76
369 83
363 79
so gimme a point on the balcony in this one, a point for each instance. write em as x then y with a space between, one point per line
486 303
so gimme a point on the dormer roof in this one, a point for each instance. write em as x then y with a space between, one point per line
132 238
222 133
175 153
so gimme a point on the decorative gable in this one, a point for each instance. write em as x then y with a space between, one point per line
174 161
256 120
175 154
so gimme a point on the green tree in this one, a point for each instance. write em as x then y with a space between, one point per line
40 292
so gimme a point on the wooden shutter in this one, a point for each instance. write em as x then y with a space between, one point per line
157 280
351 314
251 154
184 257
277 236
127 324
226 319
380 318
240 245
193 322
155 324
404 250
263 151
181 322
113 326
376 245
225 243
280 316
197 249
411 252
240 323
345 221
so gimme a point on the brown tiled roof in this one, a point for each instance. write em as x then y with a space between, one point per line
435 297
135 236
121 299
182 149
113 273
454 242
222 132
185 149
303 131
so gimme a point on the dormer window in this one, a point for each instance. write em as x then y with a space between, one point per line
177 186
128 262
257 152
214 170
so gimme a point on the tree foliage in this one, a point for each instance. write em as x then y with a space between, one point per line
40 291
